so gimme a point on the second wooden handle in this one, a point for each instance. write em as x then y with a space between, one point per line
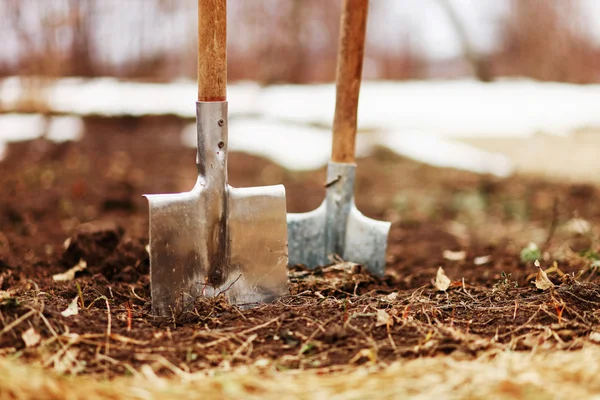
212 50
348 78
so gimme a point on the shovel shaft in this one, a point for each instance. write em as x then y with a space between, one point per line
212 50
348 76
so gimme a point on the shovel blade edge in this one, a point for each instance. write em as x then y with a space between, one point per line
176 246
366 242
258 237
306 235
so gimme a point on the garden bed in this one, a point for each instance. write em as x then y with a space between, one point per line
80 204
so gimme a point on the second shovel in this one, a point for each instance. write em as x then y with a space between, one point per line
337 226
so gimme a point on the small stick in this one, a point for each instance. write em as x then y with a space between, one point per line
225 339
553 224
129 318
108 327
80 294
16 322
405 313
232 283
247 343
135 294
389 334
465 290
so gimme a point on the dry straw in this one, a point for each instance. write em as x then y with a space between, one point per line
498 375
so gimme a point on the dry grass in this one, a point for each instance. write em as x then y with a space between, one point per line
557 375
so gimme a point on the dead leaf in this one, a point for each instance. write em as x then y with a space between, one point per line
383 318
541 280
31 337
454 255
73 308
442 282
364 353
70 274
392 296
482 260
578 226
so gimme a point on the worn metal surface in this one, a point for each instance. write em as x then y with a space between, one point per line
216 238
338 227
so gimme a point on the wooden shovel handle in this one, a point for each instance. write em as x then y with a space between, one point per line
212 50
348 76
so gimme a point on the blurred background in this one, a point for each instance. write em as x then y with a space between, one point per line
491 75
290 41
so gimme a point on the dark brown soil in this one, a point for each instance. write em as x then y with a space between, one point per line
61 204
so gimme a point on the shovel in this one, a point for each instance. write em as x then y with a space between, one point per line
337 226
216 239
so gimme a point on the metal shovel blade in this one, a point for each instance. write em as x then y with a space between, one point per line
338 227
216 238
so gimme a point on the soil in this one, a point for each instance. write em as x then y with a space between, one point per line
80 204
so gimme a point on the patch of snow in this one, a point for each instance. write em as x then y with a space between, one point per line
18 127
291 124
21 127
293 147
461 108
307 148
65 128
111 97
443 152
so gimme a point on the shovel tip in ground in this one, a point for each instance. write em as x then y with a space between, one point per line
365 240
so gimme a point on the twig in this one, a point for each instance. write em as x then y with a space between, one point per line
392 342
135 294
129 317
16 322
229 287
63 350
579 298
465 290
553 225
247 343
108 327
240 313
80 294
163 362
4 324
225 339
128 367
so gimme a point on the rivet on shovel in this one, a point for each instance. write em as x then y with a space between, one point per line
337 227
216 239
